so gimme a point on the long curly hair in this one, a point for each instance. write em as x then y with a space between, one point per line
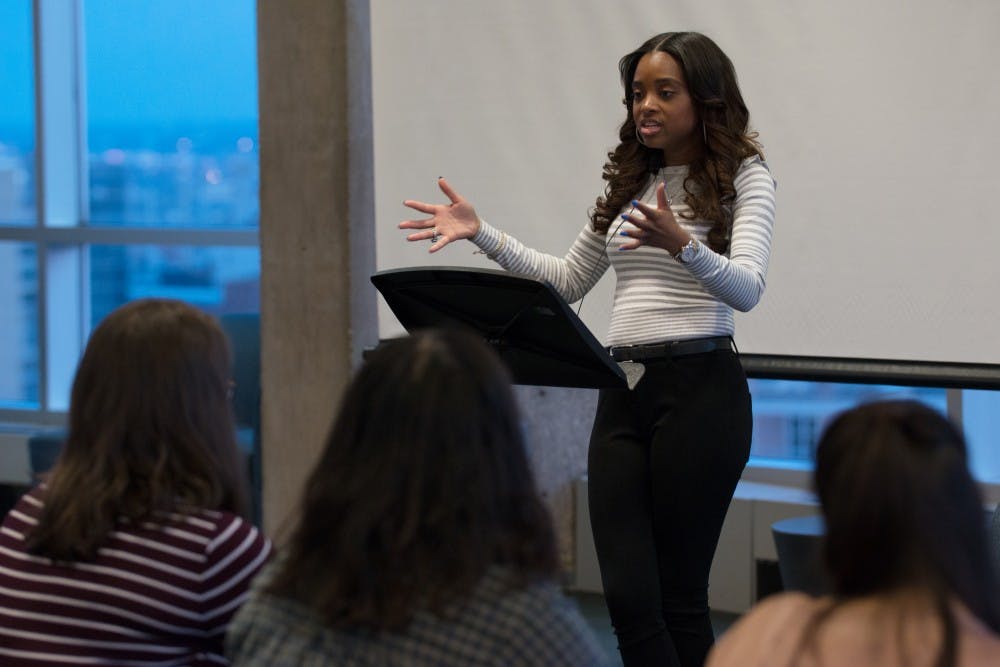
709 191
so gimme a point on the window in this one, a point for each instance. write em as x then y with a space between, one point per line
17 126
218 279
981 422
171 113
18 264
790 415
137 175
19 304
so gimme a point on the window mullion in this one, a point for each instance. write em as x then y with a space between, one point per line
60 175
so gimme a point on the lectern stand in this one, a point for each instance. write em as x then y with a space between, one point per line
531 327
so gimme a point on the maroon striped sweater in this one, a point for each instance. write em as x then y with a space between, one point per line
157 594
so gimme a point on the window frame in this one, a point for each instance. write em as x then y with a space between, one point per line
61 233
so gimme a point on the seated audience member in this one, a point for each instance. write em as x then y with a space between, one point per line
133 550
421 538
905 549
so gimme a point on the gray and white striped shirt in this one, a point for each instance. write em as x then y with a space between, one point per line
657 298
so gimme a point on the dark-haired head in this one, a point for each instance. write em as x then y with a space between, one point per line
423 486
712 84
903 512
710 78
150 428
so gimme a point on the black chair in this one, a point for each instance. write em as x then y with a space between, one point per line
243 330
799 543
43 450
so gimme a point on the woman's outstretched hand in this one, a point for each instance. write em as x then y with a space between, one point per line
448 222
657 227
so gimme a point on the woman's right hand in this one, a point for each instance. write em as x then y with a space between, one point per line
448 222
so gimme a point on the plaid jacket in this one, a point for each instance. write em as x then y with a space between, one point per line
496 626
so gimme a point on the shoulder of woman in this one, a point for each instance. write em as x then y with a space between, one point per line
538 602
33 500
754 174
762 633
977 637
754 165
782 607
226 535
272 630
537 618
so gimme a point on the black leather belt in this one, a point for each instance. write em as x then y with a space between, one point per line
677 348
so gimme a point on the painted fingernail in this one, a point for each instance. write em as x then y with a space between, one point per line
635 202
623 233
624 216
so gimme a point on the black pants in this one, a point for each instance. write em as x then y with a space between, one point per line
663 464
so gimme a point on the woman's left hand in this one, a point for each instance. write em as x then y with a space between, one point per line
657 227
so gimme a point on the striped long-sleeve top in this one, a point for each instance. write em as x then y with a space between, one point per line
656 297
157 594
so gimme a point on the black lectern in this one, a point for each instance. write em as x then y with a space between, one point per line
531 327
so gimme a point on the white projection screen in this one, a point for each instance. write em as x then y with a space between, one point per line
880 120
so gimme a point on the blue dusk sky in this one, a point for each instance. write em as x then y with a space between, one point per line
163 62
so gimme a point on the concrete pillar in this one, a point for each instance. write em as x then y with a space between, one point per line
318 308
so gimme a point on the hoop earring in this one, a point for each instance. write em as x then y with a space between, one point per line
704 133
638 137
